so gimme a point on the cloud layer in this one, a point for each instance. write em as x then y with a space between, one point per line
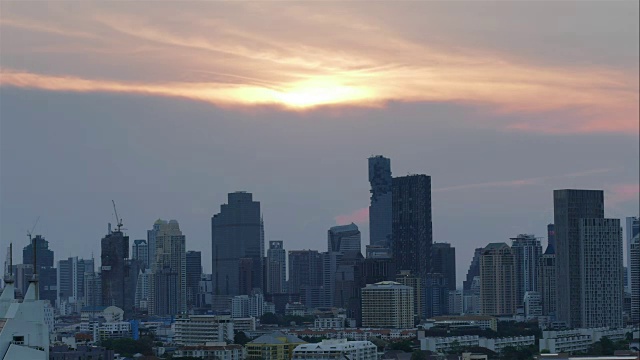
299 57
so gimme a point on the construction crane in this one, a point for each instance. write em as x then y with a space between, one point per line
118 220
30 233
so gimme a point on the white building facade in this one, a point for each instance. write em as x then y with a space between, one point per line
336 350
199 329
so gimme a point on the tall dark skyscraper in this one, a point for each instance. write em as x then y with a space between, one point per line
276 268
443 261
380 208
569 207
116 272
343 238
305 269
236 232
140 252
412 233
527 251
47 276
194 274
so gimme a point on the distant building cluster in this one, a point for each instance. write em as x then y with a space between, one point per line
577 289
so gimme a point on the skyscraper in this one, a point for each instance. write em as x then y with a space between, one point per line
474 269
194 274
276 267
151 244
380 208
634 265
140 252
569 207
305 268
236 232
117 273
497 280
551 237
527 251
387 304
443 261
70 274
547 281
436 296
411 223
170 260
632 228
46 272
601 281
343 238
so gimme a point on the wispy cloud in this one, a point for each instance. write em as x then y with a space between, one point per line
230 61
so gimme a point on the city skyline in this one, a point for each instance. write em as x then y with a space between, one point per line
497 116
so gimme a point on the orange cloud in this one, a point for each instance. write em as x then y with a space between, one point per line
355 62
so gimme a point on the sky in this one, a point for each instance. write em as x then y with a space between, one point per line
165 107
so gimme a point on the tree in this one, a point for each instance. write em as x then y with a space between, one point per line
419 355
404 345
128 347
269 319
241 338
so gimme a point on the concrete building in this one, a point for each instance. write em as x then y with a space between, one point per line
601 272
305 268
387 304
140 252
527 251
70 289
474 269
456 302
246 324
444 344
497 280
436 296
411 223
634 265
170 263
334 322
443 261
569 207
631 230
192 330
143 289
276 268
274 346
336 349
193 275
237 231
405 277
93 289
119 275
532 305
547 281
578 340
380 209
243 306
482 322
82 352
47 279
343 238
212 350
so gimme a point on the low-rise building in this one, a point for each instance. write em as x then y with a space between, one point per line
63 352
212 350
499 344
578 340
192 330
481 321
444 344
337 349
274 346
329 323
246 324
359 334
114 330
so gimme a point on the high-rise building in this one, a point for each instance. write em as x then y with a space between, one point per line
387 304
349 280
70 274
246 276
46 272
140 252
236 232
601 272
634 264
474 269
164 292
436 296
43 253
551 236
117 273
632 228
443 261
380 209
171 261
194 274
151 244
547 281
406 277
92 289
411 223
276 268
343 238
305 268
569 207
527 251
497 280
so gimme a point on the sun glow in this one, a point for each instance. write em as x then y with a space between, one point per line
321 92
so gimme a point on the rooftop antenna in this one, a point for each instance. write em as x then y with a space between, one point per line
118 220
